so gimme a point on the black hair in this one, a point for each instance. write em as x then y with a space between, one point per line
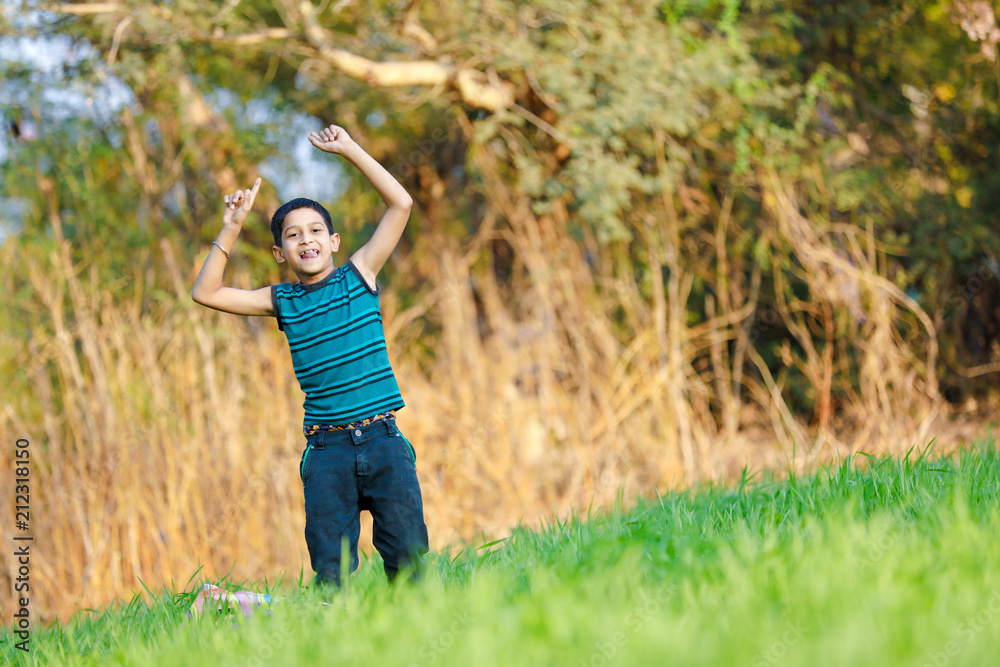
278 219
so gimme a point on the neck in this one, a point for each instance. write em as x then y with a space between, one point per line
309 280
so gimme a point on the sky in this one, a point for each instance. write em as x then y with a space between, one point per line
58 97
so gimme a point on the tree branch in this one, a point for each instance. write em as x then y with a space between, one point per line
471 84
982 369
93 8
251 38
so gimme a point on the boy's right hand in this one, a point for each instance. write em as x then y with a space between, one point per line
238 206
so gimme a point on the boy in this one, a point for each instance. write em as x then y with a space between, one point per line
355 458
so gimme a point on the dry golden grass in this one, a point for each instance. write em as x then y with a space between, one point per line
168 440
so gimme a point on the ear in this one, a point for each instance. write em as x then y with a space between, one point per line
279 254
335 241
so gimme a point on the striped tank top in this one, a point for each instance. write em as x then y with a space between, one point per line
334 332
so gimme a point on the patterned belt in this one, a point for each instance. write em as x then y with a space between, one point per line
316 428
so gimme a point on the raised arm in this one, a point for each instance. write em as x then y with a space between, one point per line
208 289
371 257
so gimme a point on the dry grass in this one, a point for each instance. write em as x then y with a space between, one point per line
168 440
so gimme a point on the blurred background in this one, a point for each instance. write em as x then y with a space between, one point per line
653 244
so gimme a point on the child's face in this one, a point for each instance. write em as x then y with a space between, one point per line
307 245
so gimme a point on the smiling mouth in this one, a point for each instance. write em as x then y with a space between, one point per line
309 254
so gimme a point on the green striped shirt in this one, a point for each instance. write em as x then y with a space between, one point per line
334 331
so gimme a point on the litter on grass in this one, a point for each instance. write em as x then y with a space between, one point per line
212 598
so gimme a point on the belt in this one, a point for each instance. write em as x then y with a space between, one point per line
316 428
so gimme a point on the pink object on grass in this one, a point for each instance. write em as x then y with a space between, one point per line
217 599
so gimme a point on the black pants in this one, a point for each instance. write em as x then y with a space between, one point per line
371 468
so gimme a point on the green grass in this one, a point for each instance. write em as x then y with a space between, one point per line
869 562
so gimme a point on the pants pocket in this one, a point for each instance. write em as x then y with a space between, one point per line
302 463
409 448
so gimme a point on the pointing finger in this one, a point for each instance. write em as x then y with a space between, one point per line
256 186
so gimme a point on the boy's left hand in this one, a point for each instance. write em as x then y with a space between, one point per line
331 139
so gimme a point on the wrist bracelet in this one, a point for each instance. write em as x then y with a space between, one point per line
215 243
